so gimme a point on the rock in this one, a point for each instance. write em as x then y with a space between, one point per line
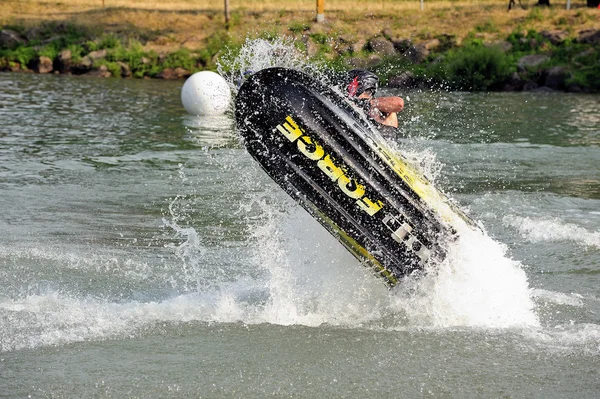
575 88
172 74
358 46
365 63
33 33
431 44
503 45
51 39
182 73
45 65
446 42
125 70
347 44
527 42
382 46
533 43
166 74
342 47
83 66
62 63
402 45
514 83
312 48
346 39
356 62
589 36
101 72
585 53
5 65
10 38
406 80
531 61
530 86
41 64
97 55
387 33
416 54
556 77
555 37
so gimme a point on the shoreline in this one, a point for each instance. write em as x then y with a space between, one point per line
541 52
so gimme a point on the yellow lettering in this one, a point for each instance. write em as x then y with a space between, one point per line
369 206
315 152
305 143
290 129
350 187
329 168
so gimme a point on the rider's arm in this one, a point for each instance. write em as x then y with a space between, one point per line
390 119
387 105
383 110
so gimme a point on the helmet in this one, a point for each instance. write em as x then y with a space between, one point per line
360 81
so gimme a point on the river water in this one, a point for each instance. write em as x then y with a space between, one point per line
144 254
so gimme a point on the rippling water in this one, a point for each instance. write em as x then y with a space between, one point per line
143 253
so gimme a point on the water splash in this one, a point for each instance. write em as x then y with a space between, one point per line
425 160
191 273
311 280
552 229
259 54
477 285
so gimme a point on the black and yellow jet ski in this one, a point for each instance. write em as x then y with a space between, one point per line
326 154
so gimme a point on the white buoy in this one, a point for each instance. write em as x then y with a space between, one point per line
205 93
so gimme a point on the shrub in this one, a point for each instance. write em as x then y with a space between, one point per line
109 41
475 67
150 68
91 45
23 55
48 51
76 52
135 54
525 46
180 58
587 74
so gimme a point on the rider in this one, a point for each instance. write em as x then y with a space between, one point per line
361 87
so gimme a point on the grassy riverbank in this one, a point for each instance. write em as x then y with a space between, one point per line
453 40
